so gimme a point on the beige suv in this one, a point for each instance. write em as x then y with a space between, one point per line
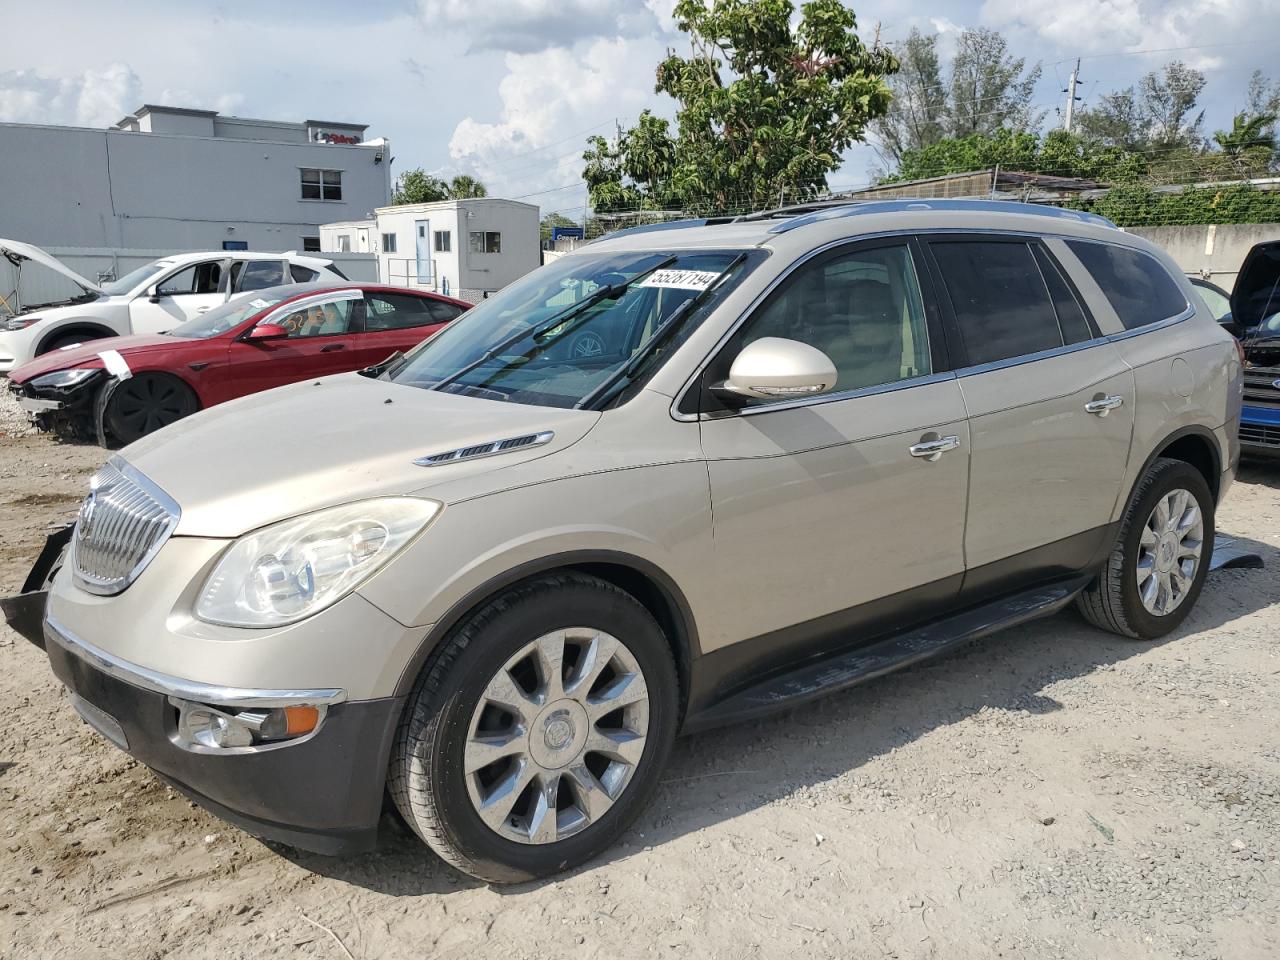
687 475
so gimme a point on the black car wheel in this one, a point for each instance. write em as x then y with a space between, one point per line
145 403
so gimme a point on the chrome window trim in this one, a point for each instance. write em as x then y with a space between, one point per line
281 309
891 387
157 682
152 490
907 234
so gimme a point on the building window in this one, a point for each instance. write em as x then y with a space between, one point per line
444 241
388 243
321 184
487 242
344 244
310 244
235 244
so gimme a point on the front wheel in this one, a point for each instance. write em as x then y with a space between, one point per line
538 732
1161 557
145 403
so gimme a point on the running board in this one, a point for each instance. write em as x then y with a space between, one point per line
820 676
1228 554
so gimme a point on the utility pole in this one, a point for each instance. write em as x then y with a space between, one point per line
1071 96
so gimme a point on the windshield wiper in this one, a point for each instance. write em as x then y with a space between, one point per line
612 292
623 376
376 370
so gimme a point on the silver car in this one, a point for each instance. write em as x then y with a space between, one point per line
687 475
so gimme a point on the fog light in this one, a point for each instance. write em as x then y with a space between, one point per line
215 728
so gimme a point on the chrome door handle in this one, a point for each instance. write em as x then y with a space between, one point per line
931 450
1103 405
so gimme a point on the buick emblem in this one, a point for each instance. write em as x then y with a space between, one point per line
1276 384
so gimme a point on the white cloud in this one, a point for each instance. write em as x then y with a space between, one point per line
526 26
551 102
92 98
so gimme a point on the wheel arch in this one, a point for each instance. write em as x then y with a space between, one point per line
98 330
1196 445
651 586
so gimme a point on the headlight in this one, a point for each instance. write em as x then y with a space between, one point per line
290 570
66 378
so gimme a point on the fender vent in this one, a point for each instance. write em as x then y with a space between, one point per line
485 449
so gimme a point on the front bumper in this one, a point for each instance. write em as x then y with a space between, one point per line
1260 430
322 792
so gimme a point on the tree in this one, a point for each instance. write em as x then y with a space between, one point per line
418 186
551 220
764 110
1058 153
1250 144
919 111
464 187
1156 116
990 89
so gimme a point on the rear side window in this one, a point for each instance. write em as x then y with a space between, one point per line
1001 303
1135 283
394 311
1071 317
302 274
442 312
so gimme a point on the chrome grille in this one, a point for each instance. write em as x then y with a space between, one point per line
123 522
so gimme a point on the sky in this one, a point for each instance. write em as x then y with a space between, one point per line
508 91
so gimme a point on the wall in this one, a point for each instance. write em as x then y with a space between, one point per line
483 273
400 267
40 285
69 186
1215 252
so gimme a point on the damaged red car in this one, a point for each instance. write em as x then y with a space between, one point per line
117 390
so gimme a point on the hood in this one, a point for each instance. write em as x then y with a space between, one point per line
285 452
1256 294
87 355
16 252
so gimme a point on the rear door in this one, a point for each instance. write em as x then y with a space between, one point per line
1050 405
828 515
397 321
180 296
319 343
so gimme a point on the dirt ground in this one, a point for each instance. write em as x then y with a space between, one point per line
1050 792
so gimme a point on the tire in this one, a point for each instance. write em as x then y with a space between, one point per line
144 403
429 779
1114 600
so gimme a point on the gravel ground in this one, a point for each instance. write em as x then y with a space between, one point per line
1050 792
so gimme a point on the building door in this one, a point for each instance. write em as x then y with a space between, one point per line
364 241
423 238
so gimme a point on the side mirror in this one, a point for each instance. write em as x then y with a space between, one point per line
153 293
772 368
267 331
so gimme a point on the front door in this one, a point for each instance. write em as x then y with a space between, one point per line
319 343
422 237
179 297
827 513
1050 408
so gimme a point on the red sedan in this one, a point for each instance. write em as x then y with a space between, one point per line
123 388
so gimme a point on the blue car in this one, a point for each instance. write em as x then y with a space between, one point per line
1254 318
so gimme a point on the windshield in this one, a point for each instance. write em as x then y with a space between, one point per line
116 288
558 334
229 315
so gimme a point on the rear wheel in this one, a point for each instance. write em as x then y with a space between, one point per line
538 732
1157 568
145 403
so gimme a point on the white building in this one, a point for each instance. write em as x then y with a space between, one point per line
176 179
351 236
464 248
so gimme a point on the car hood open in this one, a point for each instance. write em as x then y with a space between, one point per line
16 252
285 452
1256 294
88 355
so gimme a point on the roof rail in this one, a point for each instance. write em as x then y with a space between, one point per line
793 209
651 227
856 208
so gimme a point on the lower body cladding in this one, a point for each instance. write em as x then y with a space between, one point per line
304 767
1260 431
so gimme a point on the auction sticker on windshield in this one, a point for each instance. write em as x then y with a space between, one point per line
681 279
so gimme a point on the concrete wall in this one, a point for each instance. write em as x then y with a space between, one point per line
40 285
76 187
1215 251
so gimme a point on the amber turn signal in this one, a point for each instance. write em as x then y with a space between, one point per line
300 720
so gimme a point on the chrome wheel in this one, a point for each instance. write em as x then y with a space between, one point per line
557 735
1169 552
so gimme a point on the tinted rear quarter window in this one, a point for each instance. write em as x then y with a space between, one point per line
1136 284
1071 316
1000 300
